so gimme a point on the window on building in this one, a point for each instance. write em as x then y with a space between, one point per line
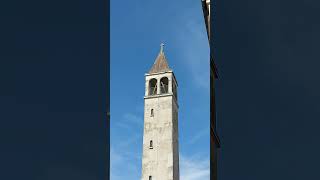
174 90
150 177
164 85
153 87
151 145
152 113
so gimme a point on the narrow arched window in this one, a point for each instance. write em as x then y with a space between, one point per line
150 177
151 145
164 85
152 113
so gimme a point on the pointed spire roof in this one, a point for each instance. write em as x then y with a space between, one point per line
160 64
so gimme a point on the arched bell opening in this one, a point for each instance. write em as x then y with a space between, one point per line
153 87
164 82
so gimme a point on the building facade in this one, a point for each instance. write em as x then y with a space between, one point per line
214 138
160 157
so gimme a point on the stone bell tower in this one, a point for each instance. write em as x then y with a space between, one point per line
160 160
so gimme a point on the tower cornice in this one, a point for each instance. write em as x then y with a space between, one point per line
157 73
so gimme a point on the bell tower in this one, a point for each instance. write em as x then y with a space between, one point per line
160 160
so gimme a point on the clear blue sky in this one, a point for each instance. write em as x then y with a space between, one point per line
135 43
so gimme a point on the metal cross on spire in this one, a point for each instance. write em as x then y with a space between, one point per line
161 47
